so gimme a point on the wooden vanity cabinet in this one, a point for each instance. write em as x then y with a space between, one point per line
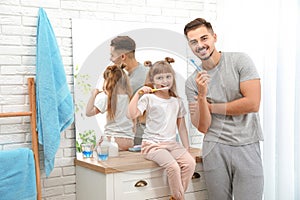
130 176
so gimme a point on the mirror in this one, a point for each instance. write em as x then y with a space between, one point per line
91 53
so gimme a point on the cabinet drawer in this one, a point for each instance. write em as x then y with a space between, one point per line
200 195
153 185
141 184
197 183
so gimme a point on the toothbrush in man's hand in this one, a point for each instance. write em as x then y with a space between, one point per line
195 65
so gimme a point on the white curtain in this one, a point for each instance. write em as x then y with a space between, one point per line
269 31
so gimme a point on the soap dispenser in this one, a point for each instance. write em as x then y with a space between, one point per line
113 148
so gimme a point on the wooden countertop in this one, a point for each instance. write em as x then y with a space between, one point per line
126 161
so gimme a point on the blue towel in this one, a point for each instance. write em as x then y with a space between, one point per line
17 175
55 107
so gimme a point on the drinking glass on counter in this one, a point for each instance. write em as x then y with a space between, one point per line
87 150
102 152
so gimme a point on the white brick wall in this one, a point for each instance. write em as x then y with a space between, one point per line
18 20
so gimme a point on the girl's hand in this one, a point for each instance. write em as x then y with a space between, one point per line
145 90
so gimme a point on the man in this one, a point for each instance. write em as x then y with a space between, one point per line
224 100
122 50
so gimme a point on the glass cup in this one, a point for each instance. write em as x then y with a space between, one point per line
87 150
102 152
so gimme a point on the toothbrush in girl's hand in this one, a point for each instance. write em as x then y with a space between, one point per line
154 90
195 65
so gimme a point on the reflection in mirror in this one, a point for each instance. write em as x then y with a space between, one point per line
113 100
92 53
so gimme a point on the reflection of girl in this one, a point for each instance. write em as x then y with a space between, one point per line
114 101
164 113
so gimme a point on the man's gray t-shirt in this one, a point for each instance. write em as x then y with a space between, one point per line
224 86
137 77
137 80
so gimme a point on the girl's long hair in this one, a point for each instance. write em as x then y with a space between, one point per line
159 67
116 82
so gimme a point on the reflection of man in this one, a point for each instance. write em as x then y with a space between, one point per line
123 51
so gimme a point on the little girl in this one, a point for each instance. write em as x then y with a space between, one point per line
114 100
164 112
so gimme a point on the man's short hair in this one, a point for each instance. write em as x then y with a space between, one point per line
196 23
123 43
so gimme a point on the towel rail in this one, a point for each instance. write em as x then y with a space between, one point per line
15 114
34 134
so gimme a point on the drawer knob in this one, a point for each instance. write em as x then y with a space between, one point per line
141 183
196 175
